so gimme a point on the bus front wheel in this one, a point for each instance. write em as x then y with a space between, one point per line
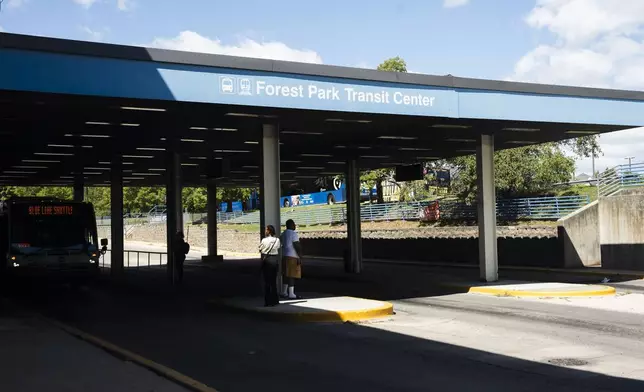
286 203
330 200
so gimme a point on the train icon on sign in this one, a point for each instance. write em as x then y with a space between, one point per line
245 86
227 85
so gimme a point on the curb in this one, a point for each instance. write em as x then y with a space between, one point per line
603 291
117 351
323 316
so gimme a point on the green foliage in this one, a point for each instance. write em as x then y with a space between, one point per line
523 171
394 64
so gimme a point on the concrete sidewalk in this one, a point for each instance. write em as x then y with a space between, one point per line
37 356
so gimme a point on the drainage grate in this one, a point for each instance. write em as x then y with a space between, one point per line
568 362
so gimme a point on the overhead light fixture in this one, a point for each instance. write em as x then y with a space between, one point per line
351 121
302 133
97 168
138 156
364 148
192 140
189 164
30 167
250 167
336 163
129 125
512 129
199 128
142 109
238 171
398 137
288 172
291 161
306 177
59 154
466 150
19 172
11 176
310 168
329 173
87 146
67 177
375 156
146 174
414 149
91 174
226 129
128 163
39 161
96 136
461 140
251 142
199 158
60 145
232 151
150 148
96 123
578 132
451 126
133 178
243 115
104 163
156 169
428 158
317 155
340 147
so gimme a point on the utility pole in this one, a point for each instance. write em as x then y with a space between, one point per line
630 159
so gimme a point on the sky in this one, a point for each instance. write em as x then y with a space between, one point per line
594 43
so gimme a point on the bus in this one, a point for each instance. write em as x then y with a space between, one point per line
49 237
323 190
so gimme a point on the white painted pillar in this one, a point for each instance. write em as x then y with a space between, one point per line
488 257
270 184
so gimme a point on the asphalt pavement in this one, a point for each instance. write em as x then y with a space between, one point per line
438 339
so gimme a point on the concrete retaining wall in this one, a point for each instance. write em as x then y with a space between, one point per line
579 236
621 231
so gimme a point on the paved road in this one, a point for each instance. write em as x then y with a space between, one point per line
437 341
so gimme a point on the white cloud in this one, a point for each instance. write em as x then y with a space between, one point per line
85 3
194 42
597 43
14 3
93 35
454 3
125 5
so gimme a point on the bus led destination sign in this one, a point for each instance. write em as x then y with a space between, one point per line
50 210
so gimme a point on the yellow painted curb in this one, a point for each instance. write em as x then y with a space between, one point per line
605 290
159 369
387 309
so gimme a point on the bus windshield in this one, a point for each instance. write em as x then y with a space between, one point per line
51 227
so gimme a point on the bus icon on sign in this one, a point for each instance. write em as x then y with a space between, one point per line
227 85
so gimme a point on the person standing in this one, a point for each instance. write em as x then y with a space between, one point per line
292 254
181 249
269 249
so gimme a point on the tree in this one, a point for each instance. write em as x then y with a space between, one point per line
523 171
376 177
394 64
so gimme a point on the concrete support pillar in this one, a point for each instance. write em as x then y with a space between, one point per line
354 259
488 257
79 189
117 227
211 206
174 208
270 182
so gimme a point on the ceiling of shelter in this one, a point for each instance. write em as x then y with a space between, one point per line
49 139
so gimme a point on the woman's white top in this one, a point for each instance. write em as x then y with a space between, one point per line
270 246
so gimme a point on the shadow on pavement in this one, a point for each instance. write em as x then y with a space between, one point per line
230 352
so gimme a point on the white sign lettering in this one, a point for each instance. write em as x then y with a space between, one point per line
326 92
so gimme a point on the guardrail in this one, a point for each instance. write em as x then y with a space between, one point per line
619 178
138 259
537 208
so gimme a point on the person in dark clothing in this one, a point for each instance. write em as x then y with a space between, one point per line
181 249
269 249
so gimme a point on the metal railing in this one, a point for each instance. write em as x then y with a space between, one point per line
138 259
537 208
619 178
